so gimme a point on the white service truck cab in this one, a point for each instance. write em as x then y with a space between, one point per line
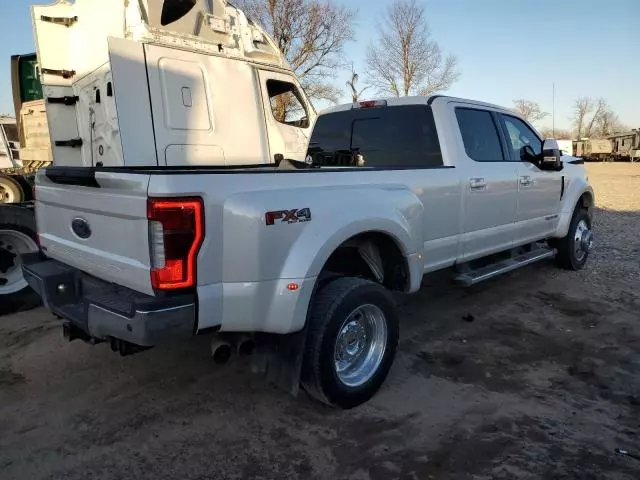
304 255
166 83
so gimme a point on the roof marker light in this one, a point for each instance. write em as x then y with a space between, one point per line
369 104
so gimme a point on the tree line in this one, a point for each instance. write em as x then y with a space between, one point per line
590 118
404 59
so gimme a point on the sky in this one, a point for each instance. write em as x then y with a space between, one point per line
506 49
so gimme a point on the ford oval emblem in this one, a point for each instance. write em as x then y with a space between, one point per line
81 227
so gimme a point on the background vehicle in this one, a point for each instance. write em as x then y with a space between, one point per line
307 253
12 187
626 145
593 149
141 89
24 148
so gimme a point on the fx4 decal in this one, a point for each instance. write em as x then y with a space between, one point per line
288 216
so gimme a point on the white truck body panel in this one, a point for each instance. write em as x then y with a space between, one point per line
224 124
132 103
438 217
117 210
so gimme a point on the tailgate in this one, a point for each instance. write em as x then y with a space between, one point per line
97 223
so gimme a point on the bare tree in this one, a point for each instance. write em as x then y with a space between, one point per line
604 121
405 59
529 110
559 133
352 84
600 108
581 108
311 34
608 123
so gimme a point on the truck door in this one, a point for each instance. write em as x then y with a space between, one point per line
538 191
289 115
490 180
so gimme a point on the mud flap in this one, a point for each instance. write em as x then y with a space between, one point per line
279 359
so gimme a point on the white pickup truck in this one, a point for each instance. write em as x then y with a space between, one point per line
308 252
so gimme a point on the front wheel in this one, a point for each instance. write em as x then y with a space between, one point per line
351 342
574 248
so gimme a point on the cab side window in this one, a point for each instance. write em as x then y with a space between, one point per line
521 139
286 104
479 135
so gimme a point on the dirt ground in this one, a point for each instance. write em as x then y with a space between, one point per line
541 381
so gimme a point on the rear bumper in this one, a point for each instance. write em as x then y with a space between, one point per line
105 311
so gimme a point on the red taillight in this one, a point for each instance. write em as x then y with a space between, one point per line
175 235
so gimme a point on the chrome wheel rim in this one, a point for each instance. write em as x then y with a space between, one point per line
582 240
6 195
12 245
360 345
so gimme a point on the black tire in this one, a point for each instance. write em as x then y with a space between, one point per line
26 184
11 190
330 308
22 220
566 257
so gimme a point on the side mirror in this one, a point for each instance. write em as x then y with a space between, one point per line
551 156
527 154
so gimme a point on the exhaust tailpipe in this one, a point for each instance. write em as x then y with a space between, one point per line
245 346
220 351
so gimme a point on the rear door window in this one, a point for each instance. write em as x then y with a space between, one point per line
381 137
479 135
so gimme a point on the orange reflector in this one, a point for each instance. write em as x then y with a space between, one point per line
293 287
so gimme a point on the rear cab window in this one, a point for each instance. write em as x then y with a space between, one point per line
380 137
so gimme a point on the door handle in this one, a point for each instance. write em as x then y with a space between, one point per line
477 184
526 181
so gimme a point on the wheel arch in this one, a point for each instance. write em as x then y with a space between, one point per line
584 198
586 201
374 254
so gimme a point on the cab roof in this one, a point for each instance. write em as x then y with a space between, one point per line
415 100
